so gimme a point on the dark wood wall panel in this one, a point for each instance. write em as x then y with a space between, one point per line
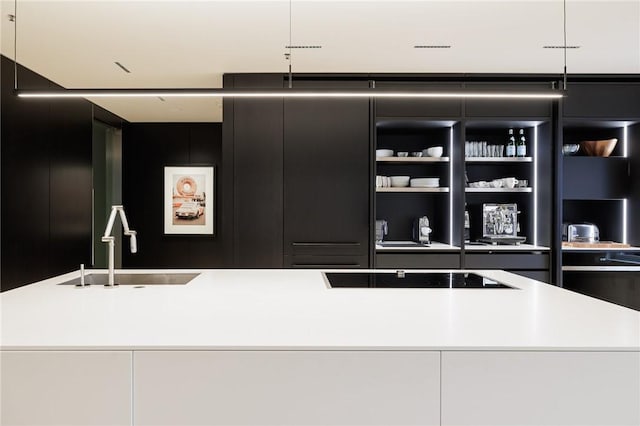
46 182
147 148
70 184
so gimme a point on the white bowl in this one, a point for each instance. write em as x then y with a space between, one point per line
384 153
434 151
399 181
425 182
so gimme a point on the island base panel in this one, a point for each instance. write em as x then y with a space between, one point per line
47 388
540 388
287 388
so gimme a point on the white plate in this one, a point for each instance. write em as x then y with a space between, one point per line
424 185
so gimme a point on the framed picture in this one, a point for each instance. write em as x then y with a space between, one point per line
189 200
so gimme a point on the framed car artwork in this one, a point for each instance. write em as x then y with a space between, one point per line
189 200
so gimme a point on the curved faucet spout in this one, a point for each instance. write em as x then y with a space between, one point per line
110 239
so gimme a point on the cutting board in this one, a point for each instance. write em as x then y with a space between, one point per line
600 244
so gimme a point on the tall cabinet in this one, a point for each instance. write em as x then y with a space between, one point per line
326 180
298 172
603 191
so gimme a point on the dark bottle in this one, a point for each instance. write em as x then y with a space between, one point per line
521 148
511 145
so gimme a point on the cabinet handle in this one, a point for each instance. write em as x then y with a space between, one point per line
325 265
316 244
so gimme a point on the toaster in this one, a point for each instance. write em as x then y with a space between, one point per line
582 232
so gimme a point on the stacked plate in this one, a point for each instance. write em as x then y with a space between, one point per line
425 182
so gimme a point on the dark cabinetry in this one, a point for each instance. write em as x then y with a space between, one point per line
602 190
602 100
46 181
450 124
326 181
256 129
301 177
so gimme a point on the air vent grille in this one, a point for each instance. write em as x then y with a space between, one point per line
560 47
303 47
432 46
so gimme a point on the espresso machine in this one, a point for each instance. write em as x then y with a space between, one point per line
422 231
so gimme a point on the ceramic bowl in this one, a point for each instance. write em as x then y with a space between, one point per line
384 153
434 151
600 148
402 154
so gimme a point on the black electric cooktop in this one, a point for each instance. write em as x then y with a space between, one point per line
407 279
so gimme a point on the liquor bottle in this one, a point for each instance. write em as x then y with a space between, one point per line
521 148
511 144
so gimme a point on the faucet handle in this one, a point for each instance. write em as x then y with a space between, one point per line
133 241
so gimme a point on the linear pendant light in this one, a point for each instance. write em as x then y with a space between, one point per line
290 93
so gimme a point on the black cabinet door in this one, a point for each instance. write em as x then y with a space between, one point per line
256 149
326 176
418 107
617 101
492 108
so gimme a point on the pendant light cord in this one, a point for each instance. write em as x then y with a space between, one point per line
15 44
290 45
564 29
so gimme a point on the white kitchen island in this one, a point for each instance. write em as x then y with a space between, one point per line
279 347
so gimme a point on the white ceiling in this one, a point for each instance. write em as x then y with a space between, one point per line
181 44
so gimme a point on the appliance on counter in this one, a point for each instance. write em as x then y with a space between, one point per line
422 231
382 229
467 226
580 232
500 224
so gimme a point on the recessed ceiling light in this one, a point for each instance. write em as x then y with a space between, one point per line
432 46
122 67
560 47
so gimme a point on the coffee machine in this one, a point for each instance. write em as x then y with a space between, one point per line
422 231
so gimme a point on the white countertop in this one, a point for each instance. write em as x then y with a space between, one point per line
294 310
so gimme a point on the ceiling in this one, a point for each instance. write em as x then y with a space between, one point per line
182 44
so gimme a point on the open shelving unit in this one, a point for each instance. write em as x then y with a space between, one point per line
401 206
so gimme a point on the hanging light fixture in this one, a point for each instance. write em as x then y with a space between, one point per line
289 92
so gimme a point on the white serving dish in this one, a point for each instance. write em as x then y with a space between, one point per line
399 181
384 153
425 182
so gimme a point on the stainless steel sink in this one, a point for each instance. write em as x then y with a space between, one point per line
135 279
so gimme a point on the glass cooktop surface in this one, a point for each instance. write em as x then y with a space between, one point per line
407 279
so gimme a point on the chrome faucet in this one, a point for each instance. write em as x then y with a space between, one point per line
108 238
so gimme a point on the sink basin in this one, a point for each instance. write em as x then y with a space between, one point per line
135 279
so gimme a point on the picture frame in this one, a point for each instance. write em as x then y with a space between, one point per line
189 200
